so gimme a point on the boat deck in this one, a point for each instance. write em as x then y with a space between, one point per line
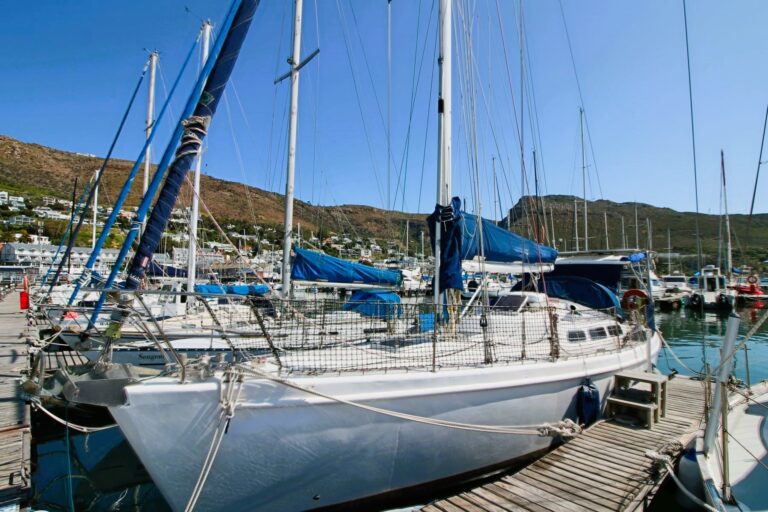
605 468
14 413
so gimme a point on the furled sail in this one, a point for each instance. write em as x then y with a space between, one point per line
318 267
195 130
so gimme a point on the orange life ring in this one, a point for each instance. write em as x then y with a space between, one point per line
634 298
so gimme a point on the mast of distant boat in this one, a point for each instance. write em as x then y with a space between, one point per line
584 178
150 117
95 207
728 248
195 213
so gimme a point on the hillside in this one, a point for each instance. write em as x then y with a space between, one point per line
33 170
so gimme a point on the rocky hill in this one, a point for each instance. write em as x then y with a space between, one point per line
33 170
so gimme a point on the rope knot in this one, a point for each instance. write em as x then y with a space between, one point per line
566 428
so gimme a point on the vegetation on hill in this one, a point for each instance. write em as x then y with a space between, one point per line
34 171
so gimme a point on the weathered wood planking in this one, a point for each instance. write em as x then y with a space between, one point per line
14 413
603 469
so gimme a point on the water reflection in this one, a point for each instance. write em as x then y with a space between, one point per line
695 339
105 473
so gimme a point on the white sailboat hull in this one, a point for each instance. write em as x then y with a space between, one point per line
286 449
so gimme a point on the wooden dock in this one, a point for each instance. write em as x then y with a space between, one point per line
603 469
15 450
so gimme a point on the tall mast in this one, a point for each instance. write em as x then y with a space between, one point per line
669 252
195 214
576 222
443 125
495 187
584 178
552 224
637 230
728 250
292 128
95 207
407 235
150 117
605 220
623 234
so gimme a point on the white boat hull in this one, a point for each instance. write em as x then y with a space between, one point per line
286 449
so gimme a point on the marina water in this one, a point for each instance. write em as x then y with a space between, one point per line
106 475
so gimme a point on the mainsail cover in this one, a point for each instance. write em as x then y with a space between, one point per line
460 240
318 267
500 245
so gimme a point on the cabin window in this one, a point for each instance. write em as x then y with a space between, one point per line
614 330
576 336
597 333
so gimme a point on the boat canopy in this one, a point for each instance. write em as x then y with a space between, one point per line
581 291
375 304
318 267
460 240
232 289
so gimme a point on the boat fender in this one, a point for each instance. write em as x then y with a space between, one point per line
588 402
695 300
722 299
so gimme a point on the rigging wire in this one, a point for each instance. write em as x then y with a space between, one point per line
346 37
693 137
581 96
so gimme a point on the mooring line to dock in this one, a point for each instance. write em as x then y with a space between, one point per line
666 461
85 430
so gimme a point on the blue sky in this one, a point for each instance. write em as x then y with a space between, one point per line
70 68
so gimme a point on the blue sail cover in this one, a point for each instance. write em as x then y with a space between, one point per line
375 304
501 245
581 291
315 266
232 289
195 130
451 228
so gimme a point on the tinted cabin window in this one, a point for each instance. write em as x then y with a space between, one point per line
598 333
614 330
510 302
576 336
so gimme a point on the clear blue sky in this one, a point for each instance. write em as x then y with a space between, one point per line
70 67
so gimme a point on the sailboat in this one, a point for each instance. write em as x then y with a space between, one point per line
440 395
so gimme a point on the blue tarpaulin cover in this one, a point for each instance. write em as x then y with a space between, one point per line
315 266
375 304
232 289
581 291
155 269
501 245
450 243
636 257
607 274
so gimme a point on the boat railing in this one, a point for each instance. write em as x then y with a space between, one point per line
329 334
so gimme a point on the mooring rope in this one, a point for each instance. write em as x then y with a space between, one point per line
564 428
85 430
666 461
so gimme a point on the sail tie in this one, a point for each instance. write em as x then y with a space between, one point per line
195 130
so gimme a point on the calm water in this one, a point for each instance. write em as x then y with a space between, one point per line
107 475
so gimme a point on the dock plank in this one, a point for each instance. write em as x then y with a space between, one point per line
14 413
605 468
